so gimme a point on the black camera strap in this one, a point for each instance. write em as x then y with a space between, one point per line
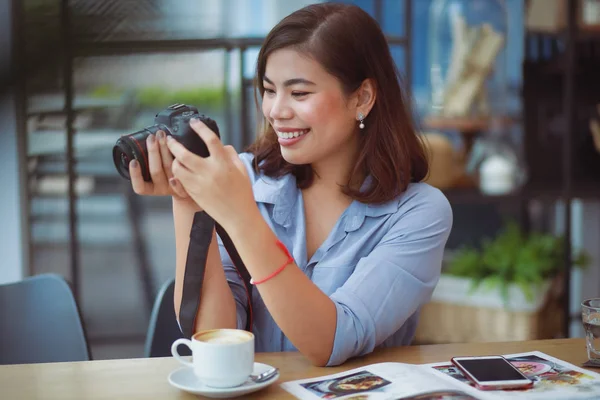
200 239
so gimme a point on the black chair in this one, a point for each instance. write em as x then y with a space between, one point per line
40 322
163 329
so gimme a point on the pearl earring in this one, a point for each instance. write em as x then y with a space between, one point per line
361 118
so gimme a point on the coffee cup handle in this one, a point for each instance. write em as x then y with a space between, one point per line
176 354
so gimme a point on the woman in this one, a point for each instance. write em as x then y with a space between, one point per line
333 179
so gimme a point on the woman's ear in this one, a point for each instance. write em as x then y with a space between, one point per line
366 95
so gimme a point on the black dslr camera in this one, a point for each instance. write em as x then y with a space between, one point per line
174 121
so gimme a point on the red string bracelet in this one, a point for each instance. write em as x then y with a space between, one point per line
289 260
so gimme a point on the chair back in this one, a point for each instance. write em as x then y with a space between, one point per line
163 329
40 322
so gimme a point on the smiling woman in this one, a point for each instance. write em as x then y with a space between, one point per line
329 74
307 109
327 210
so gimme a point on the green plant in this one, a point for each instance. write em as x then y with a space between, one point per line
513 257
210 98
106 91
206 98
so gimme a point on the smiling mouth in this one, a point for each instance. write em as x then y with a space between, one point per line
291 135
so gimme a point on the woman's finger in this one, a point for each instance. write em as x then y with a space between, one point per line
182 174
230 151
165 153
212 141
157 172
137 181
185 157
176 185
234 157
177 188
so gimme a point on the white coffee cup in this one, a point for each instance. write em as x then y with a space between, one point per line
221 358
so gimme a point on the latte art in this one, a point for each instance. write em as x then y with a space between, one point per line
223 337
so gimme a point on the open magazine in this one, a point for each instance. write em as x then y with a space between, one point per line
553 379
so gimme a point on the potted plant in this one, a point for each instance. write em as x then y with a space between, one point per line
508 289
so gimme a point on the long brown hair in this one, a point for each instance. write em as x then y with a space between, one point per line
349 44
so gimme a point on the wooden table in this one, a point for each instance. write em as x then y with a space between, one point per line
146 379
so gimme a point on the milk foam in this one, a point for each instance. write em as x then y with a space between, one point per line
223 338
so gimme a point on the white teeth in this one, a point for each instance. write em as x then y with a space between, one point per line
289 135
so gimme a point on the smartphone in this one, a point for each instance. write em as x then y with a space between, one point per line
492 373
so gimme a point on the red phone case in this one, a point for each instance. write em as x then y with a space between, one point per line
491 386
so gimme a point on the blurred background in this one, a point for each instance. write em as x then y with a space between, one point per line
507 99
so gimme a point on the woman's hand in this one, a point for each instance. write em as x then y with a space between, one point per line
219 183
160 163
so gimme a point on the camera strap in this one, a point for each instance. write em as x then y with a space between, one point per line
195 266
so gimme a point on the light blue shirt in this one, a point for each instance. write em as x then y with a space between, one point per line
379 264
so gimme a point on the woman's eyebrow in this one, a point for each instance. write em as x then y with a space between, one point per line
290 82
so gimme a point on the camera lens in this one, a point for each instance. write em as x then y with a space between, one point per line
132 147
124 159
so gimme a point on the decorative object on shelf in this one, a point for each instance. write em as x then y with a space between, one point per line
466 57
590 14
467 65
550 16
495 163
510 289
497 175
446 164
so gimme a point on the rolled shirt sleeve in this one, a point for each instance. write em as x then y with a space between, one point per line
236 285
390 284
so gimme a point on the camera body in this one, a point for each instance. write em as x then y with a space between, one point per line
174 121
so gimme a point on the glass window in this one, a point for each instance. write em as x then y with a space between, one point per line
393 17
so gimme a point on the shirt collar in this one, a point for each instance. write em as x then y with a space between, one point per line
356 215
283 193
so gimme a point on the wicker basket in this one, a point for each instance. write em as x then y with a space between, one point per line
460 322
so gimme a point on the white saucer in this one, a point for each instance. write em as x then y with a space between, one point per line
184 379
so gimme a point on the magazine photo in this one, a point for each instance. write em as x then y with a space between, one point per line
553 379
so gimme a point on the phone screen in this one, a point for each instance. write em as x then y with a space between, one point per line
491 370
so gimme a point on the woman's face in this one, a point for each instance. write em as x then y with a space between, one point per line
313 118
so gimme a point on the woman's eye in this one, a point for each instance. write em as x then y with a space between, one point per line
269 91
299 94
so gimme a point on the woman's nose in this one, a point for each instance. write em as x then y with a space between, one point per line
280 109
